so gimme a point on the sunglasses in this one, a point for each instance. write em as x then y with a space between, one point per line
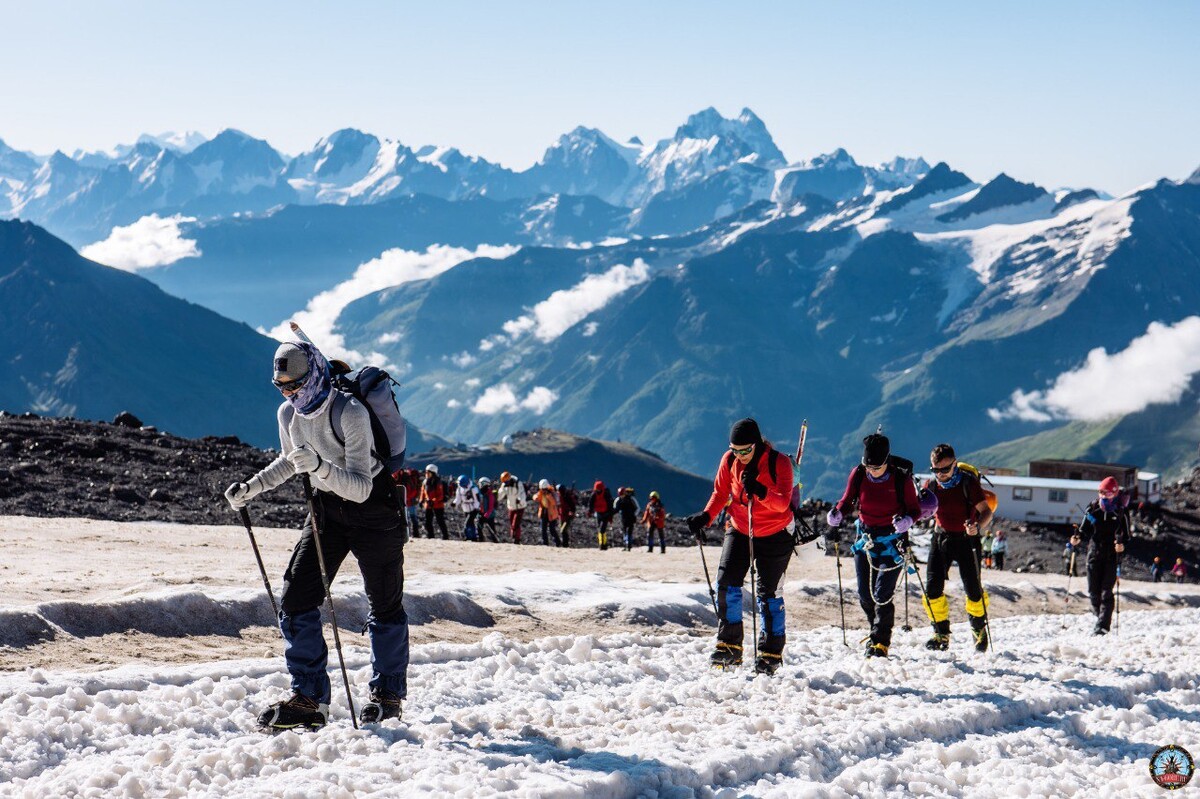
742 450
1108 494
942 469
874 465
289 385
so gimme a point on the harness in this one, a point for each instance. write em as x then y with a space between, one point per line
881 547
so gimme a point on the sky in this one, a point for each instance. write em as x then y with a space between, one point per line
1064 94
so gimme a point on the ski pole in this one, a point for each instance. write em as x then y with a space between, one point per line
1118 597
907 623
337 639
753 578
261 569
987 622
837 555
711 593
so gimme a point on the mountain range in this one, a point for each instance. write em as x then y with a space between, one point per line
654 294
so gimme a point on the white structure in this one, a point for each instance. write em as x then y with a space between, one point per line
1040 499
1149 487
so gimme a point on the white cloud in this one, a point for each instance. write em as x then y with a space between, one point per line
439 386
472 382
453 404
502 399
150 241
463 360
1154 369
393 268
389 338
565 308
590 328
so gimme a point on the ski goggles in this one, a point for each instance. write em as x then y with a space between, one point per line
290 385
739 451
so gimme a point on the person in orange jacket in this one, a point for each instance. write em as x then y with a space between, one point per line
433 500
758 479
547 511
655 518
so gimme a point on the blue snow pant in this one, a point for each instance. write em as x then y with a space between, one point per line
372 531
771 556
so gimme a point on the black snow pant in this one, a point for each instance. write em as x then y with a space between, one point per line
490 523
372 531
550 528
564 530
771 556
877 578
440 515
1101 577
945 550
662 538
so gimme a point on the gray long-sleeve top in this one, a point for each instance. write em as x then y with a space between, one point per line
347 469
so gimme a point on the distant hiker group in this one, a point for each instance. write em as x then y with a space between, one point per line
555 505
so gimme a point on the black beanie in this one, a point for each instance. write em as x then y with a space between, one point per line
745 432
876 449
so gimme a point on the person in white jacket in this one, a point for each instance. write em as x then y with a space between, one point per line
467 500
512 496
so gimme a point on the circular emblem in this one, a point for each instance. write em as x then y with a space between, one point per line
1171 767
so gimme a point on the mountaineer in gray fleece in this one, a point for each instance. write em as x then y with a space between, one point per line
327 434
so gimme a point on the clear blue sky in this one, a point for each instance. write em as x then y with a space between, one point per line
1062 93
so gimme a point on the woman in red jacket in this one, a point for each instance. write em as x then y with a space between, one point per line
757 482
887 506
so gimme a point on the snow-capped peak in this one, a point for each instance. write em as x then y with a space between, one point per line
170 140
747 132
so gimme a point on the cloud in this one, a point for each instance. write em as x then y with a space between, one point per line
472 382
392 268
1155 369
150 241
389 338
565 308
463 359
453 403
502 399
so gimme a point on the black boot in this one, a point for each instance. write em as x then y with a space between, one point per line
876 650
380 705
726 655
767 663
980 633
940 642
299 711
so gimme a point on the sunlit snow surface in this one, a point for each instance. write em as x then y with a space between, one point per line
1053 712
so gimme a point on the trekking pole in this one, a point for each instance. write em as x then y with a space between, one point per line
337 639
837 555
987 622
907 623
916 567
753 578
711 593
1118 596
261 569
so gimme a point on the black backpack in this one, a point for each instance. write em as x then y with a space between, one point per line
902 469
372 387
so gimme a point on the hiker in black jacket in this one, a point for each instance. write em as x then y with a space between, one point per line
1106 526
627 506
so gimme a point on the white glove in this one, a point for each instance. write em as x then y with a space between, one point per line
240 494
304 459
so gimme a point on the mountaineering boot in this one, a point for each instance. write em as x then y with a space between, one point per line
876 651
981 639
726 655
380 705
1099 629
299 711
939 642
767 663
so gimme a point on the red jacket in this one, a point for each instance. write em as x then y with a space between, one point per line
952 510
433 494
877 501
771 514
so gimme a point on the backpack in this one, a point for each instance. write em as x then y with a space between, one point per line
772 469
372 387
979 476
903 469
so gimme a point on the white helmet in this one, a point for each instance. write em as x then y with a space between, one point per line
432 468
543 484
484 481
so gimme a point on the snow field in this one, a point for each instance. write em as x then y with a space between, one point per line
1052 713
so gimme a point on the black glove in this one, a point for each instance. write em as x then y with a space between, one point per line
833 535
902 544
753 487
696 524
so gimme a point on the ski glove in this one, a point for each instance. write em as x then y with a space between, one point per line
753 487
696 524
304 459
902 523
239 494
834 517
